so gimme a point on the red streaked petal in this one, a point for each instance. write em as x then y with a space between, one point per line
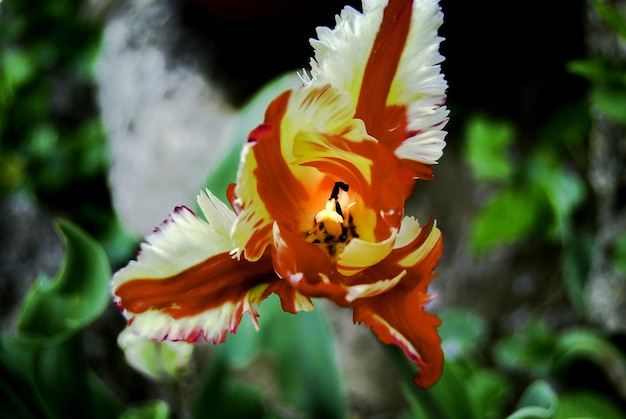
184 284
387 58
382 65
386 315
397 315
181 241
305 266
201 303
267 188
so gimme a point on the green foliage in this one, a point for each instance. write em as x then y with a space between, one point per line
543 358
305 340
486 148
51 138
608 77
44 363
612 16
536 198
539 401
619 255
80 293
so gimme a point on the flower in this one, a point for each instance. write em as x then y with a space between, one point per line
159 361
318 200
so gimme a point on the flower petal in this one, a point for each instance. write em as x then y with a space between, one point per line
185 285
266 184
388 60
272 184
360 254
397 315
155 360
305 266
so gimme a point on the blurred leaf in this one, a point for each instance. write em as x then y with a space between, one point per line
611 101
249 117
585 404
575 265
12 173
612 17
18 396
447 399
60 374
43 141
508 216
54 310
486 146
308 370
489 391
539 401
18 67
303 347
223 396
599 70
563 189
619 255
157 409
529 350
53 380
462 332
589 345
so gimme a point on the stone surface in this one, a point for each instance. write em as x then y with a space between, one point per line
167 124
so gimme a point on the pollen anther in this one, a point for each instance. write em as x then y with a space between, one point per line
333 226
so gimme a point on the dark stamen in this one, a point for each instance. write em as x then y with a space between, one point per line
338 185
335 194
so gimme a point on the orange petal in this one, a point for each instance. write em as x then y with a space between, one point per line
185 285
267 189
305 266
397 315
387 58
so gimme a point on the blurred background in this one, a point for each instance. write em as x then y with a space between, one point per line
112 112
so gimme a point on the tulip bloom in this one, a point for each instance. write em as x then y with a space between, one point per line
318 200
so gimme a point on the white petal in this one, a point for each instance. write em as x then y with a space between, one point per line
182 241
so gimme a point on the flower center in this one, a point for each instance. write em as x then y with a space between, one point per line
333 226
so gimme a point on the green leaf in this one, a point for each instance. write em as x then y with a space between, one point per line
585 404
54 379
486 146
490 391
599 70
539 401
55 310
575 264
18 67
306 340
448 399
249 117
579 344
619 255
156 409
530 350
462 332
18 395
563 189
509 216
611 101
223 396
302 346
612 17
60 375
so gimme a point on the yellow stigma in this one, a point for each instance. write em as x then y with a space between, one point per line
333 226
330 219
